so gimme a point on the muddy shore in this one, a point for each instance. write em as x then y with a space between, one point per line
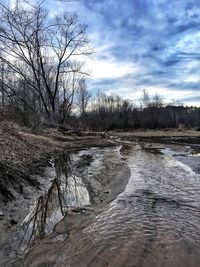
103 186
26 159
24 153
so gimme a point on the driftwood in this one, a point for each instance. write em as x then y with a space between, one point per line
65 129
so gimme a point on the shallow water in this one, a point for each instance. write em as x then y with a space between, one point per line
66 192
156 220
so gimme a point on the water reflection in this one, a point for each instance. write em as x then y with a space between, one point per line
66 192
155 221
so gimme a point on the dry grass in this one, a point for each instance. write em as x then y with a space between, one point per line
157 133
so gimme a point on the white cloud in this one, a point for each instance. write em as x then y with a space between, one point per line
102 69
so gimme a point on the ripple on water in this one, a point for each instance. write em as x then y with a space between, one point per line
160 208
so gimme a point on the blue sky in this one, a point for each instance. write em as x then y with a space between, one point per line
151 44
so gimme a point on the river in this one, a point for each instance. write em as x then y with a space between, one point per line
155 221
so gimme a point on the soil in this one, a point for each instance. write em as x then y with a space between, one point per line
170 137
158 133
24 153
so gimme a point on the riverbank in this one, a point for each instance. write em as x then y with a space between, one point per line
25 152
26 173
182 137
157 133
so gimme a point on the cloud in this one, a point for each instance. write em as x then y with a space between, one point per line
102 69
141 44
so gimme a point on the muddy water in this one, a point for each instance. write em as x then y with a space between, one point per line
72 189
156 220
67 191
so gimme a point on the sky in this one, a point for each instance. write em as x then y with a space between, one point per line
141 44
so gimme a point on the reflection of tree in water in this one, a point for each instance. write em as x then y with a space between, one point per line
52 206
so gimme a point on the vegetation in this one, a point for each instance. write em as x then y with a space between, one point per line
112 112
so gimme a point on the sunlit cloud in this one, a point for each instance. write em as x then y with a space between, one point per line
104 69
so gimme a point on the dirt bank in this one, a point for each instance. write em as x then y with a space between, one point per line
157 133
184 137
24 153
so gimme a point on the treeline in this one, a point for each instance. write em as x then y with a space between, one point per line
112 112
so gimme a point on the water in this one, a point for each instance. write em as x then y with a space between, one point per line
67 191
156 220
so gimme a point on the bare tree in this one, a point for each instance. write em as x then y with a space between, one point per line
41 50
2 85
157 101
145 99
84 96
